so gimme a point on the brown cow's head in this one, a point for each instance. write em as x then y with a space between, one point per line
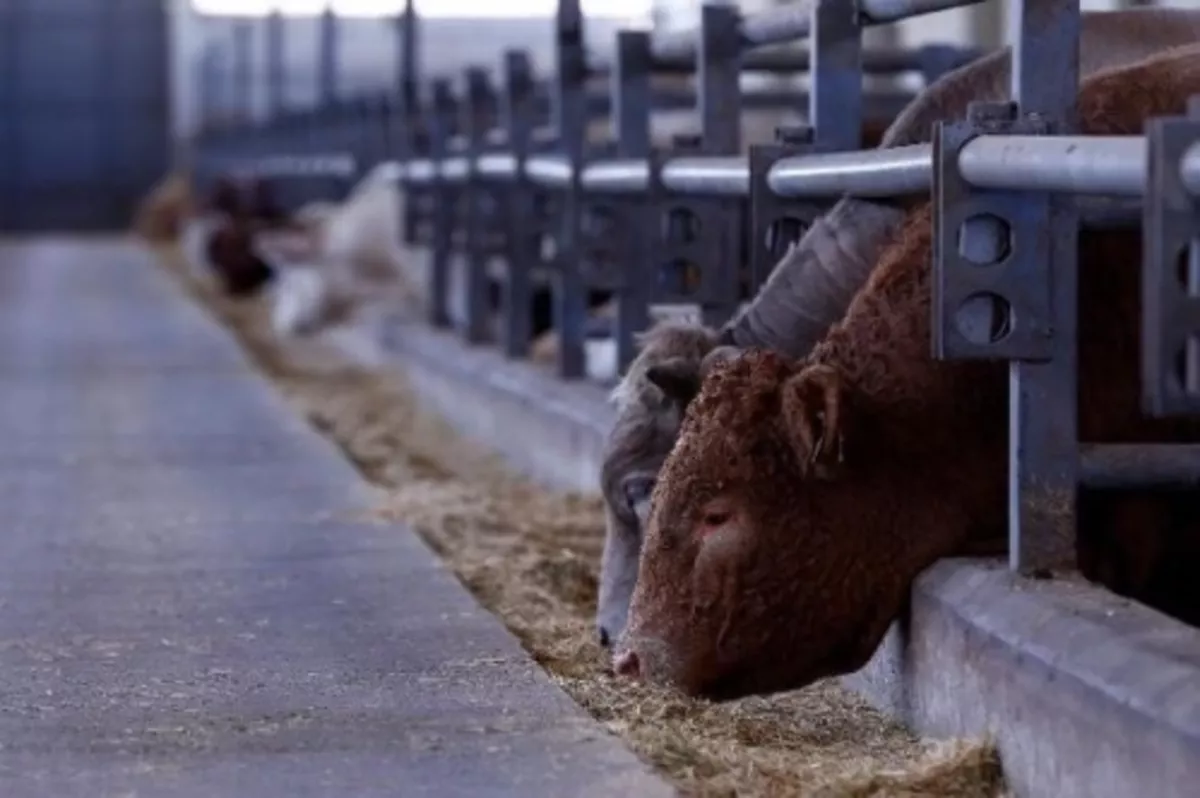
771 558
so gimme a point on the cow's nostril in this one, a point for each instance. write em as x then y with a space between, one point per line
626 664
605 640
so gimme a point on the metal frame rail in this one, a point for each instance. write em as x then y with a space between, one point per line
1010 184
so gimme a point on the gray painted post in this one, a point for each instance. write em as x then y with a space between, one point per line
208 74
476 121
836 99
444 198
327 64
241 74
637 264
1005 283
520 116
718 67
274 64
1043 395
570 110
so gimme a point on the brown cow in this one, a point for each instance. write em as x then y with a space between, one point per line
803 498
812 285
241 209
239 269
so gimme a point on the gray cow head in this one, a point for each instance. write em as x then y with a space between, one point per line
651 401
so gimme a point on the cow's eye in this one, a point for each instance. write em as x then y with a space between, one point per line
637 488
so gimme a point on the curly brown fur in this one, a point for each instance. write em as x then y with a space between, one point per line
803 498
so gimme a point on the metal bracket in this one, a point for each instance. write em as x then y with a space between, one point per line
992 295
600 243
420 197
1170 270
444 200
631 102
516 213
938 59
776 223
678 234
702 237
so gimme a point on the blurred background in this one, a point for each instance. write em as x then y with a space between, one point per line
456 33
97 96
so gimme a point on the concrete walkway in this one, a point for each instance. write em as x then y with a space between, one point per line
188 606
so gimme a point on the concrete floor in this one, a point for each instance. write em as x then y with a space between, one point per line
188 605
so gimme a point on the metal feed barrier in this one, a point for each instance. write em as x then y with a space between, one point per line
485 180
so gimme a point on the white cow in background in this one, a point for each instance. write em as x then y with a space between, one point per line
341 258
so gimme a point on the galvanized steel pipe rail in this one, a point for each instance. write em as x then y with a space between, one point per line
1100 165
1092 165
793 22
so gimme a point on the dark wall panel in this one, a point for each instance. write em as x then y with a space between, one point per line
84 98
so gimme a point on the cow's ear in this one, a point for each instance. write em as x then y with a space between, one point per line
678 378
811 406
722 354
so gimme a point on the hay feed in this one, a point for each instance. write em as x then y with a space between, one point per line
160 215
531 556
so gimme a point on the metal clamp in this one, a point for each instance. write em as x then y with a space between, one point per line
992 292
1170 270
777 223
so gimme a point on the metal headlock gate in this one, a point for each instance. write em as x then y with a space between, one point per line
500 172
85 110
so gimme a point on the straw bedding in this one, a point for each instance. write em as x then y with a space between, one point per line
532 556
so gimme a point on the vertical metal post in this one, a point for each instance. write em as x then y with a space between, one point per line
381 146
717 71
363 133
835 98
630 88
404 127
409 55
519 111
310 130
776 223
476 122
1043 396
570 110
242 74
443 198
327 66
209 78
274 64
718 67
1006 282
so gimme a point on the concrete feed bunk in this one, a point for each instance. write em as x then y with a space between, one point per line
532 556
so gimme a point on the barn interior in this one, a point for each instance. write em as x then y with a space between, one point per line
348 434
